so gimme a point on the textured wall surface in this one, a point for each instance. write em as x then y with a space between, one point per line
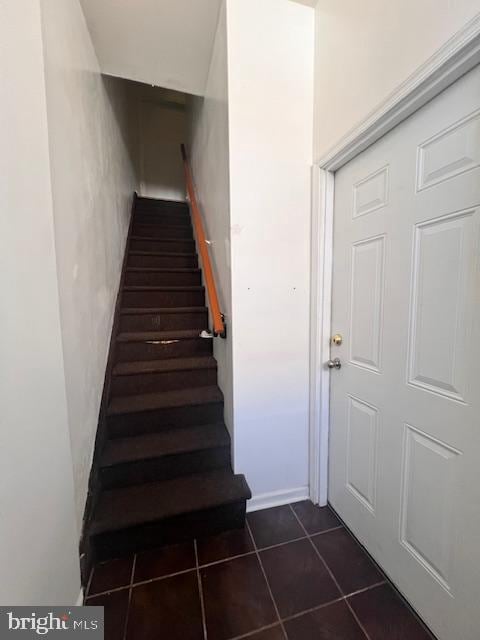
210 166
93 180
38 532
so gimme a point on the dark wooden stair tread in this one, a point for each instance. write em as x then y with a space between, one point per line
164 400
158 366
163 270
164 443
155 239
160 310
159 336
161 287
173 212
154 223
158 223
163 254
178 221
170 220
127 507
161 202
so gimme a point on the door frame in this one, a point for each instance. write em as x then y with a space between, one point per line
456 57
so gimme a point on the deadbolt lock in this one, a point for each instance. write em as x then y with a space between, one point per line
337 340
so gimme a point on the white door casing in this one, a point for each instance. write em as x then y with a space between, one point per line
405 407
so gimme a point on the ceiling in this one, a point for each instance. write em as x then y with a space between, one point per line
167 43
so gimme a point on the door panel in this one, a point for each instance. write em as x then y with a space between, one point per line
405 407
371 193
444 250
449 152
426 514
366 303
362 426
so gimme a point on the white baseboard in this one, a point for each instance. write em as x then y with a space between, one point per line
277 498
79 602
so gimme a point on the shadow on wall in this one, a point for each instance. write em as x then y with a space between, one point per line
162 127
126 119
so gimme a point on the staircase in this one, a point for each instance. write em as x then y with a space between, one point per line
164 467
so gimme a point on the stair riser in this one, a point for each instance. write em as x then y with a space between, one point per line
135 424
170 246
163 262
184 527
150 299
161 205
165 468
159 278
175 220
152 382
140 351
162 231
156 207
163 321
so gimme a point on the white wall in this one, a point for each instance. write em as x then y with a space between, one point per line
270 67
162 130
167 43
209 151
364 50
92 182
38 535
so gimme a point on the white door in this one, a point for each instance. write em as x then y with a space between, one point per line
405 406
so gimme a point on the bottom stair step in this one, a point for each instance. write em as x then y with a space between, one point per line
148 515
165 455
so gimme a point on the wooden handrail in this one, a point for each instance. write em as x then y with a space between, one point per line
218 321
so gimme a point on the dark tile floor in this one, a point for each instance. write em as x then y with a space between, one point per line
294 573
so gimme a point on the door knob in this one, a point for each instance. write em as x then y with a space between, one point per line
334 364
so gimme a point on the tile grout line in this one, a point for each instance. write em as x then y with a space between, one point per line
331 575
330 602
371 558
130 590
359 591
279 544
320 533
211 564
279 619
200 591
250 634
201 566
89 584
224 560
206 566
324 605
142 582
